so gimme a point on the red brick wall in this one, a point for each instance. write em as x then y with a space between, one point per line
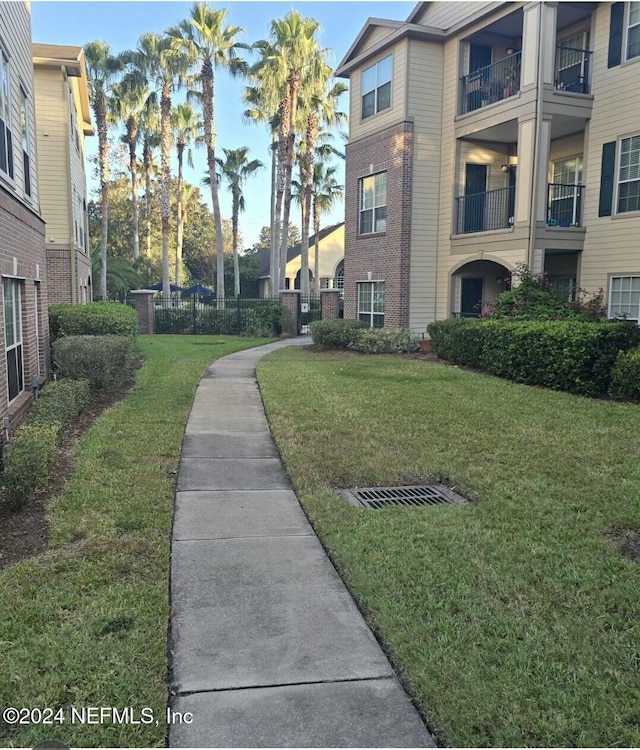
386 254
22 238
58 275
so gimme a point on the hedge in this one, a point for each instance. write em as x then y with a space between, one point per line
564 355
92 319
104 361
28 461
335 334
625 376
386 341
62 401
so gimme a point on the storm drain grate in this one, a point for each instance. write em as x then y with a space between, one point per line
415 496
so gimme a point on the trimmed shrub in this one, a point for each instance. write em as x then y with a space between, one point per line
28 460
92 319
268 319
335 334
62 402
175 320
625 376
102 360
565 355
386 341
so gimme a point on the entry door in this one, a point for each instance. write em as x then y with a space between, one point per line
471 303
479 57
475 189
511 197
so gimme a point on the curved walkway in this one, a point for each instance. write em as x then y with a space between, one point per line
268 648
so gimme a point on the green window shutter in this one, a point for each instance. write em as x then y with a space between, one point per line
616 34
607 176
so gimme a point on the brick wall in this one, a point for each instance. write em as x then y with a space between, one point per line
58 274
22 256
384 255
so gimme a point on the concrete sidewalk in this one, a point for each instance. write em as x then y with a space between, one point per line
268 648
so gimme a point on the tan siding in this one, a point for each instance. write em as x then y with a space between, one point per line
373 37
444 15
425 106
611 243
396 112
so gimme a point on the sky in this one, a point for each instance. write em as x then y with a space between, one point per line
120 24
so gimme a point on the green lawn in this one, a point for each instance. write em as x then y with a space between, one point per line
85 624
514 621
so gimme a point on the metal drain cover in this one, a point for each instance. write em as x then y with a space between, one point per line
415 496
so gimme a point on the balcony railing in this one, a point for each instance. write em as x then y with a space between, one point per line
490 84
564 205
573 69
483 212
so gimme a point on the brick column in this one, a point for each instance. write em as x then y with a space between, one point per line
290 299
330 304
145 310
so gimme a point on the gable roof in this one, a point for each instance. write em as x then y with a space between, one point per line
264 255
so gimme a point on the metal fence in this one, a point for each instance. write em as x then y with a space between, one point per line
239 317
482 212
310 310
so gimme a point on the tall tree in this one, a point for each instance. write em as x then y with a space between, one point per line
103 70
207 46
150 142
326 192
187 129
235 169
165 70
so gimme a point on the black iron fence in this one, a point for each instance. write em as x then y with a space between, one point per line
309 311
564 205
490 84
573 69
483 212
238 317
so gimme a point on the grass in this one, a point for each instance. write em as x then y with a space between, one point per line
85 624
514 620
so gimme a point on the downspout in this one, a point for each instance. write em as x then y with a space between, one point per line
72 246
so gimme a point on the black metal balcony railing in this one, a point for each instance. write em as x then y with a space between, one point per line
564 205
483 212
490 84
573 69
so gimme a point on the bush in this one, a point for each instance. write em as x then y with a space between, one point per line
335 334
28 460
175 320
61 402
92 319
625 376
268 319
565 355
102 360
386 341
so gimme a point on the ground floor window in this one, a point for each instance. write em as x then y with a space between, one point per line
371 303
13 336
564 285
624 297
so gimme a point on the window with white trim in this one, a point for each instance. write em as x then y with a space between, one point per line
6 139
13 336
24 137
633 31
624 297
373 203
376 87
371 303
629 175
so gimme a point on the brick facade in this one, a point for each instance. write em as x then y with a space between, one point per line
383 256
60 273
22 256
329 304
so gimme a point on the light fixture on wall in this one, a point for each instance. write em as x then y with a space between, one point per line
509 51
504 167
499 280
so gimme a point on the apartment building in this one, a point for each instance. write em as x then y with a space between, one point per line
24 323
63 117
488 134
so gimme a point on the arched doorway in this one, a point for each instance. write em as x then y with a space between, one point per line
476 286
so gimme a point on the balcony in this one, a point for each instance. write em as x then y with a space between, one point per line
490 84
485 212
564 205
573 70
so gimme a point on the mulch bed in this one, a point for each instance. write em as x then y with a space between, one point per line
25 533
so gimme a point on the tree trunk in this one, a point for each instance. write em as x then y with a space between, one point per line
294 83
280 181
272 291
147 197
306 180
165 146
234 231
180 215
132 137
210 141
103 151
316 259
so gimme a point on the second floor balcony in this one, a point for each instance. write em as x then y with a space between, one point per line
564 205
573 70
490 84
485 212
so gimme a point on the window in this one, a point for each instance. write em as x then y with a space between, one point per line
6 144
13 336
629 175
565 285
24 134
376 87
624 298
373 203
565 192
633 31
371 303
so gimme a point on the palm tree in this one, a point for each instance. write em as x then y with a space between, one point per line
236 168
121 275
103 69
129 102
150 142
187 127
165 69
207 46
326 191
